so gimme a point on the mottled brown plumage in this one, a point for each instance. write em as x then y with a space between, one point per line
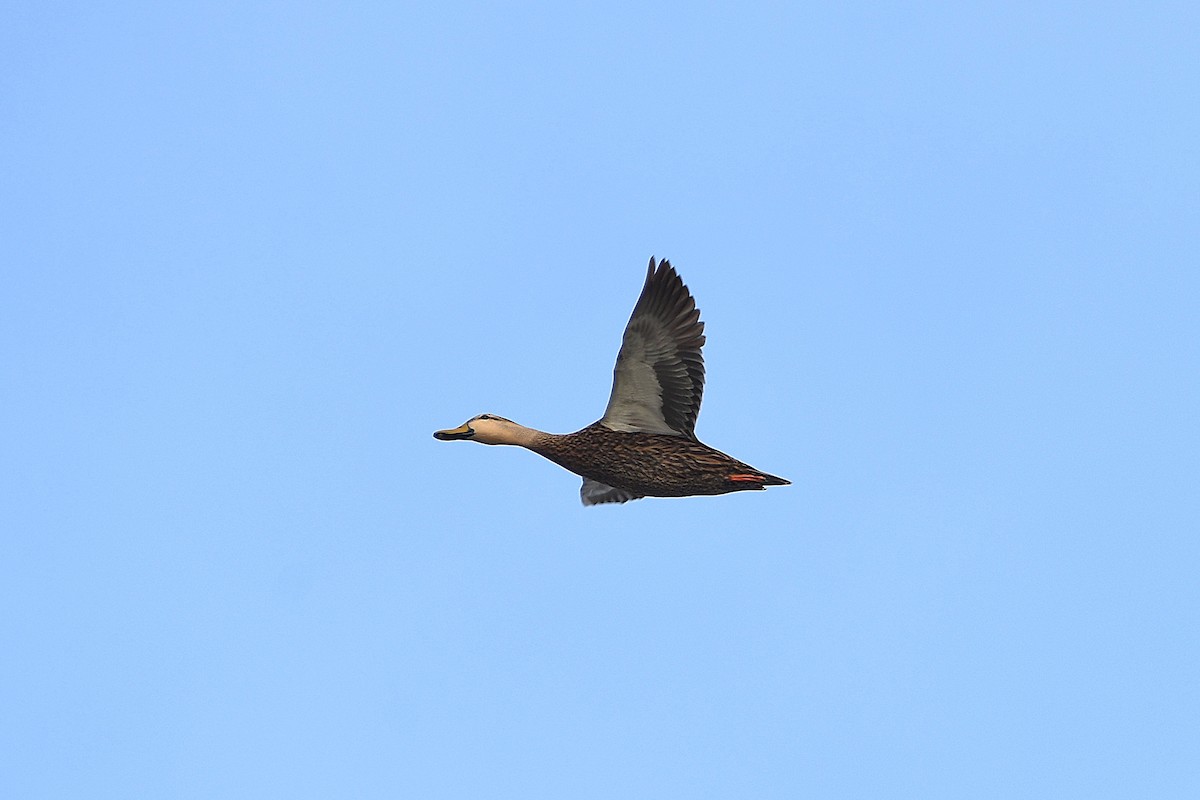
650 464
645 444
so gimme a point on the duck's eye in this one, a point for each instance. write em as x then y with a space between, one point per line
485 416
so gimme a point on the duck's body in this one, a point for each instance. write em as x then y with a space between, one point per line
649 464
645 444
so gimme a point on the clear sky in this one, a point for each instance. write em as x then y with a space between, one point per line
253 254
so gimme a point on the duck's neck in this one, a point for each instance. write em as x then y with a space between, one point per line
529 438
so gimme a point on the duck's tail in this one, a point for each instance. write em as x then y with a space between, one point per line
761 478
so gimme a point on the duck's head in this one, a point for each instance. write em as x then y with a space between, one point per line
485 429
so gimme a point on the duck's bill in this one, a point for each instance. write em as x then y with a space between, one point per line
461 432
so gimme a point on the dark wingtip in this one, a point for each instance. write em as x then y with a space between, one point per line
657 266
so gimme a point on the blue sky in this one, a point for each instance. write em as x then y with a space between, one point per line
254 254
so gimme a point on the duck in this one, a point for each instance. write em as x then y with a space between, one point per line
645 445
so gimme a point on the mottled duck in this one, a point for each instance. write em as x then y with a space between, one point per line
645 444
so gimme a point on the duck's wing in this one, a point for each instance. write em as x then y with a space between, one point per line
659 377
593 492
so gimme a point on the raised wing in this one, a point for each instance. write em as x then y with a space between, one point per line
659 377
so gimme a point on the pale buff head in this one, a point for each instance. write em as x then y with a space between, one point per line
488 429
